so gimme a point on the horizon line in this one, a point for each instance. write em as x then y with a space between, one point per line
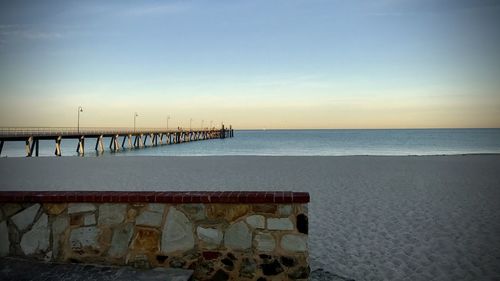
260 129
417 128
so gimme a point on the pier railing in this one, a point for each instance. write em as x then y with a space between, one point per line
64 131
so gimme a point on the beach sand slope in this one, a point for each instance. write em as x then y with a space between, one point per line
371 218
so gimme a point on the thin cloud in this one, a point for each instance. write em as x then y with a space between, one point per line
41 35
25 32
150 10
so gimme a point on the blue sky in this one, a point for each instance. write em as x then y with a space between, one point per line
255 64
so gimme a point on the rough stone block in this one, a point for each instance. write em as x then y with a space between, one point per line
4 239
288 261
76 220
265 242
158 208
210 255
37 239
149 218
264 208
285 210
111 214
238 236
177 232
294 243
141 262
146 240
84 237
272 268
304 208
220 275
11 208
211 236
248 268
89 219
279 224
80 208
131 214
25 218
59 226
55 209
256 221
229 212
194 211
121 239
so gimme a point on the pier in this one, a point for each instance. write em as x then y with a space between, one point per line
120 138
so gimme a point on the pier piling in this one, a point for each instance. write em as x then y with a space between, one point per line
37 145
99 145
81 146
123 142
29 146
58 146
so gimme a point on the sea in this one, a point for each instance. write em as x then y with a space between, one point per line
303 143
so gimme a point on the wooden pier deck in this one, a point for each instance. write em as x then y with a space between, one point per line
130 138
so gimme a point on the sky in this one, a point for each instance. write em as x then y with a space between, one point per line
253 64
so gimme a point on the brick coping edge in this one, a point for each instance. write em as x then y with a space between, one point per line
175 197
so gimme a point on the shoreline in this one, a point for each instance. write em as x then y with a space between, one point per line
118 154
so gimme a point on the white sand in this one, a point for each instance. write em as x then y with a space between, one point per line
371 218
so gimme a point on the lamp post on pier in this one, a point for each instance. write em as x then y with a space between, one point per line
168 118
190 123
210 125
135 116
80 109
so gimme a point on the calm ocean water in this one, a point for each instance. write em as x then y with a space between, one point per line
307 142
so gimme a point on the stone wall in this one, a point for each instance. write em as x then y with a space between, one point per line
221 236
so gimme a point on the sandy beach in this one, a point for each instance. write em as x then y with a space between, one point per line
371 218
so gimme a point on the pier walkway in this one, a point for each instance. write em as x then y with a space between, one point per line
130 138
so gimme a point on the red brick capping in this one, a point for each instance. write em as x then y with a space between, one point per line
155 197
